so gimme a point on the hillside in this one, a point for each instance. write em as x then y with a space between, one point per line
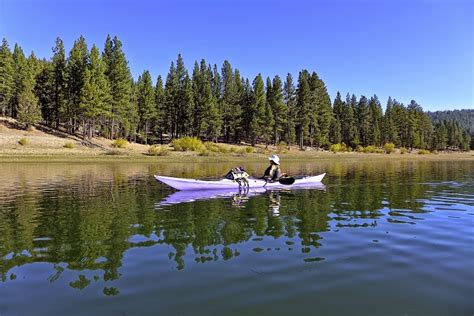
45 141
464 117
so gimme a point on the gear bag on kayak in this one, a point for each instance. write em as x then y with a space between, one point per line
237 174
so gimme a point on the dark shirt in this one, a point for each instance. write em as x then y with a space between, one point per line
273 173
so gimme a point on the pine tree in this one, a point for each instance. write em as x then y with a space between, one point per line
44 90
413 139
59 82
229 98
374 134
76 67
466 141
302 107
279 109
28 108
160 108
290 101
338 110
441 136
216 83
348 129
268 127
169 103
324 110
363 120
236 108
179 99
207 118
426 130
400 120
390 133
211 123
95 95
120 82
29 111
188 104
355 127
257 113
20 77
146 103
6 78
198 83
314 130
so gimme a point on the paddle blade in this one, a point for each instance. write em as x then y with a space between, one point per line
287 180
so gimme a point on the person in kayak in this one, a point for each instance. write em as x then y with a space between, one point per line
273 172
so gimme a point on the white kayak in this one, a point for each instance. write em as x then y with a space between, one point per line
194 184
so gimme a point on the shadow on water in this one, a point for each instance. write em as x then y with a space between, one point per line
86 217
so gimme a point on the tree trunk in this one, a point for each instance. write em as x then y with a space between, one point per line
84 130
146 132
92 129
111 136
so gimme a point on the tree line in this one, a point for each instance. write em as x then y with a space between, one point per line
93 93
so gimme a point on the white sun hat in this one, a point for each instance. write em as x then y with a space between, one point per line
275 159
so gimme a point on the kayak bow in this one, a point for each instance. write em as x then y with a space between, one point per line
194 184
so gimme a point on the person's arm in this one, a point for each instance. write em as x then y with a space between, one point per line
266 173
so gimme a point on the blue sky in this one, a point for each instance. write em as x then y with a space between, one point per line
408 49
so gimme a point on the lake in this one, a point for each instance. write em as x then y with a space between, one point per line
379 238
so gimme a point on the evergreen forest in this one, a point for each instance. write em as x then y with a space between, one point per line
91 92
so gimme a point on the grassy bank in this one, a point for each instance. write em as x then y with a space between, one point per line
175 157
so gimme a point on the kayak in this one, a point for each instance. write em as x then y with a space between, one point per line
183 184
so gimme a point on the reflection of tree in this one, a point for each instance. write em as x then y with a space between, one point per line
87 222
80 283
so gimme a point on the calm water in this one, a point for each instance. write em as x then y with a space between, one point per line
385 238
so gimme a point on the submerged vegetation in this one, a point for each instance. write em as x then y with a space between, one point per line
92 93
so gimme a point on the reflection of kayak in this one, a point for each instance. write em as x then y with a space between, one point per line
196 195
193 184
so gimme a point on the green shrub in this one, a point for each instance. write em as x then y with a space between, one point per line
157 150
423 152
359 149
403 150
389 148
212 147
249 149
337 148
241 151
120 143
187 144
69 145
23 141
223 149
369 149
379 151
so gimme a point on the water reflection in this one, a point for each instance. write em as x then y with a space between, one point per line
85 218
238 197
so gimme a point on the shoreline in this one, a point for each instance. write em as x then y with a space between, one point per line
190 157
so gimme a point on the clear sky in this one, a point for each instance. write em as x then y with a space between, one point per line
408 49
